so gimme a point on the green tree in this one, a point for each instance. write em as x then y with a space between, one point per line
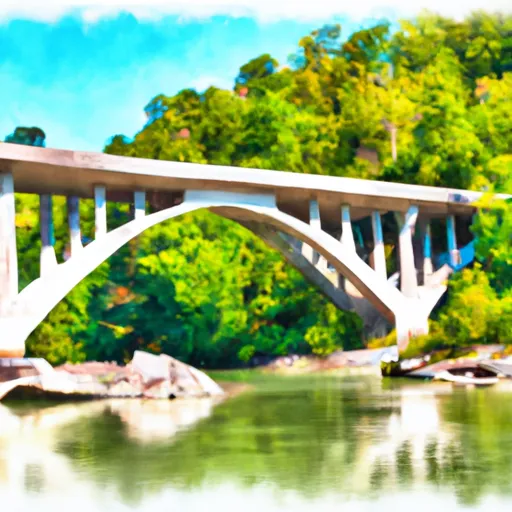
27 136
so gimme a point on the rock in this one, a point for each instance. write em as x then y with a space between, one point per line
124 389
208 385
149 366
147 375
163 374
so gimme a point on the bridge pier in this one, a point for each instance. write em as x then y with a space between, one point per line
428 267
348 241
408 277
347 235
308 252
314 221
379 254
12 340
8 253
75 235
451 236
100 212
139 202
48 259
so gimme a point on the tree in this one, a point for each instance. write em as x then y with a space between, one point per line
257 68
27 136
492 120
447 150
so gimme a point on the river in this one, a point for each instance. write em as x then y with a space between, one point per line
315 443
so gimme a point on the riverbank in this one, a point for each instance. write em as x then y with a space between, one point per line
355 361
151 376
478 364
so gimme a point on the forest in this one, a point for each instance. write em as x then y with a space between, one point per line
428 103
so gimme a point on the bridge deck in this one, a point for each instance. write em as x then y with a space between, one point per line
63 172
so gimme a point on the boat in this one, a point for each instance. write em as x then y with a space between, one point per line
502 367
471 376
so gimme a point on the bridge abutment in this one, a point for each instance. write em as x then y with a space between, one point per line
13 335
411 323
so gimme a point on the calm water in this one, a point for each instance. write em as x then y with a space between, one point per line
293 444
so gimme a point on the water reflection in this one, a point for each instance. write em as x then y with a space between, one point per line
316 440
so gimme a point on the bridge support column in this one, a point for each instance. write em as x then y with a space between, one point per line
428 267
48 260
75 235
347 239
139 200
8 254
347 235
408 278
314 221
379 254
100 211
12 341
452 241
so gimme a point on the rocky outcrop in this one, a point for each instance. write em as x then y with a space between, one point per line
146 376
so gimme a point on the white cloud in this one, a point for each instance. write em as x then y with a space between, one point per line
264 10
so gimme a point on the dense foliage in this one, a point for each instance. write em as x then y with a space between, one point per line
427 104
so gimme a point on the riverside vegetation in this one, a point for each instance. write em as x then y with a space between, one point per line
428 103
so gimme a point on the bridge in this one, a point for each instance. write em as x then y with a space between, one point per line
310 219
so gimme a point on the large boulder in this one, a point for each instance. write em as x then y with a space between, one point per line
165 377
147 376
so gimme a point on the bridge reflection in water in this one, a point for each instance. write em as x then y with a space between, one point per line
289 444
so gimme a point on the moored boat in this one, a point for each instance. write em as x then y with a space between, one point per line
472 376
502 367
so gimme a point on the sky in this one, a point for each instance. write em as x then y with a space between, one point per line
84 74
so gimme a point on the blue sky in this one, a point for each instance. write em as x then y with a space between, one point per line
84 75
83 83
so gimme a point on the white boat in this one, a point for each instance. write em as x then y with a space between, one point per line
468 378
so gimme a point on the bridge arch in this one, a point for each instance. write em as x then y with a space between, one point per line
36 301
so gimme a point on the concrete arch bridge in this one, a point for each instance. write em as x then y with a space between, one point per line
308 218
